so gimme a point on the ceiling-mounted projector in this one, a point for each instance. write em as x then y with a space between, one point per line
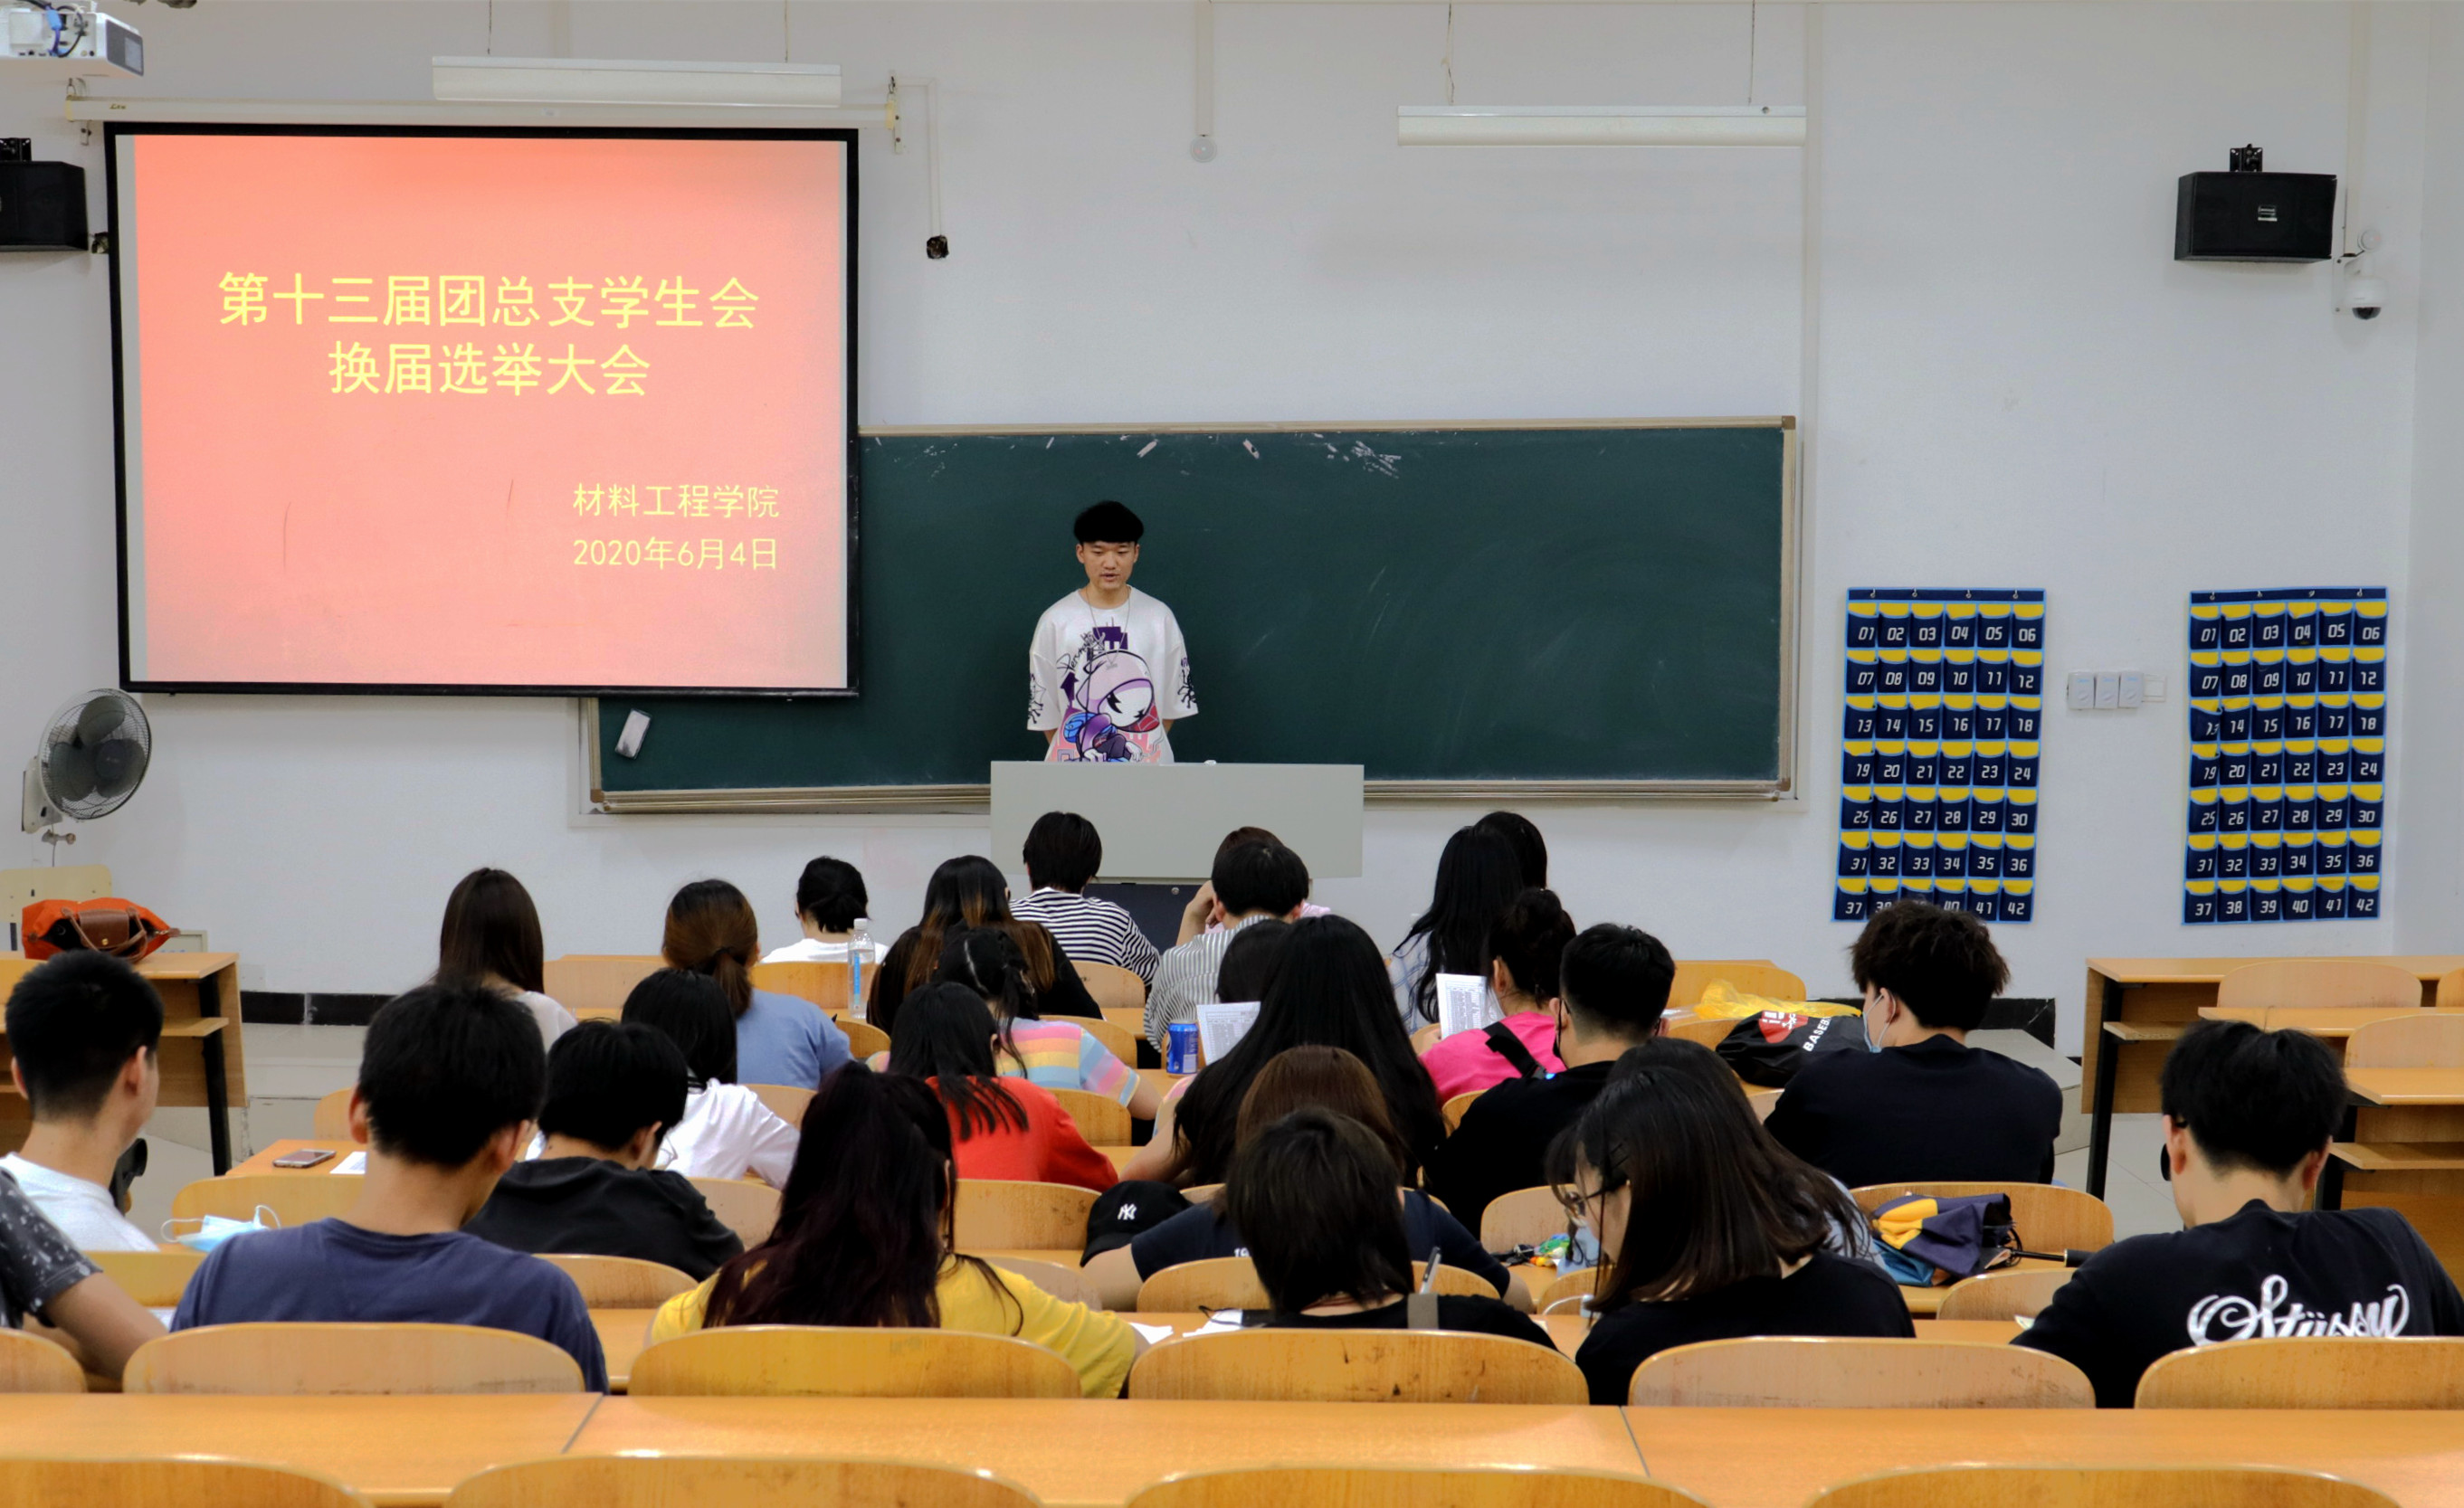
71 39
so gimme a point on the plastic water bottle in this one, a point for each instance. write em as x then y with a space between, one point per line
856 952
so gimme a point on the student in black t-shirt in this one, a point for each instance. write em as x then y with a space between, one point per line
1317 1190
1612 987
613 1090
1923 1105
1710 1229
2248 1118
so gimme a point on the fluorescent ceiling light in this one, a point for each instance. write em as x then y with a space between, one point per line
1601 125
603 81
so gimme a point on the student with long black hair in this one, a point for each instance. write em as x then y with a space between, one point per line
1530 848
1002 1127
491 938
969 891
1479 876
1710 1229
866 1236
1056 1054
726 1130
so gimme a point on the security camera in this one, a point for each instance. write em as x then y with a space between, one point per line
2365 296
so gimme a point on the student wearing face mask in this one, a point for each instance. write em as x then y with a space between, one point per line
1922 1106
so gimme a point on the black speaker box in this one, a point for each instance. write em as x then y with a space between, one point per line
2256 217
42 207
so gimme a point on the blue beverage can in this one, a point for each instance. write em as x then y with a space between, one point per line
1180 1048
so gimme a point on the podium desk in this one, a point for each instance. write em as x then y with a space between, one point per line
1163 821
203 1064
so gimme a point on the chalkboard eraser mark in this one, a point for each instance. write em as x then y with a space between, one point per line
629 742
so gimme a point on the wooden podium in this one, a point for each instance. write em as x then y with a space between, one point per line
1163 821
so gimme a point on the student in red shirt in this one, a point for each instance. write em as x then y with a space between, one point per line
1001 1128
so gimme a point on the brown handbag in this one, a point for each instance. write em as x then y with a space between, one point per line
122 929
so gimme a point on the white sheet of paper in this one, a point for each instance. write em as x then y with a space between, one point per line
355 1163
1222 1321
1222 1026
1156 1334
1463 1004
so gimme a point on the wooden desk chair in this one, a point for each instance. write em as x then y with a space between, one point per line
1357 1366
785 1101
1835 1372
827 985
620 1283
1750 975
1104 1121
1061 1282
333 1123
729 1481
1527 1217
2420 1041
294 1199
2050 1218
2003 1296
1121 1041
748 1207
1407 1487
811 1361
2314 982
997 1215
1130 1019
2316 1372
186 1482
1424 1039
1570 1283
1231 1282
328 1359
1113 987
595 985
28 1364
864 1038
155 1279
1453 1110
2099 1487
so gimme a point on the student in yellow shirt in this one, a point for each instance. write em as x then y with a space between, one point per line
864 1237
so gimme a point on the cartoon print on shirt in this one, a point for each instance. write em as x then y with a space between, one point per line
2230 1316
1110 698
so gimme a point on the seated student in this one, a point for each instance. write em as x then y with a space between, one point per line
1709 1228
1479 875
969 891
1252 883
2248 1118
1249 962
84 1033
492 937
725 1131
1004 1127
1523 975
1304 1078
1923 1105
44 1278
1612 987
829 901
1531 849
1063 852
1203 916
448 1083
612 1089
865 1238
779 1039
1331 1245
1056 1054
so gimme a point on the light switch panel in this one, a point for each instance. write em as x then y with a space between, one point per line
2108 689
2134 689
2080 691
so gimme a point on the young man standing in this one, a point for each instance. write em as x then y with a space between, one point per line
2248 1118
83 1031
1107 674
1063 852
449 1082
1252 883
1612 987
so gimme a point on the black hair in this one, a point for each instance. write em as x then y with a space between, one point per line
1615 980
608 1080
1062 850
1108 522
1479 876
2250 1098
945 1034
830 894
1530 848
1249 960
491 927
989 961
691 1008
1329 988
445 1067
1313 1198
1940 964
1260 877
1529 939
712 931
965 891
74 1022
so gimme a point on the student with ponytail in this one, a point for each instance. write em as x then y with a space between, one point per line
1523 975
1004 1127
779 1038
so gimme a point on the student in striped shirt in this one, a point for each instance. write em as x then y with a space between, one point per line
1063 852
1057 1055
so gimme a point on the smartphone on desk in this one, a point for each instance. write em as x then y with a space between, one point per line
304 1157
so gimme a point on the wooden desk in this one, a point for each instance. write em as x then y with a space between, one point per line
394 1450
1727 1457
2402 1146
1925 1302
2137 1007
624 1334
203 1063
342 1147
2330 1024
1100 1451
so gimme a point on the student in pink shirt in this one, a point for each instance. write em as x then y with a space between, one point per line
1524 972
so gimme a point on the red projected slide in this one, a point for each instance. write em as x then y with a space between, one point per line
440 411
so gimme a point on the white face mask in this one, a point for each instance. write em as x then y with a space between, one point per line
1874 1027
213 1230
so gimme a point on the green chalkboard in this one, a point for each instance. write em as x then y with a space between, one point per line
1451 607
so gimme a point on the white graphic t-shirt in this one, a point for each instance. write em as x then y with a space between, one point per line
1108 679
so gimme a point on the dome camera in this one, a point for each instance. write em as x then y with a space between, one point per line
2365 296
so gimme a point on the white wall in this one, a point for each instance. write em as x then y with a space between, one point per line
2018 386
